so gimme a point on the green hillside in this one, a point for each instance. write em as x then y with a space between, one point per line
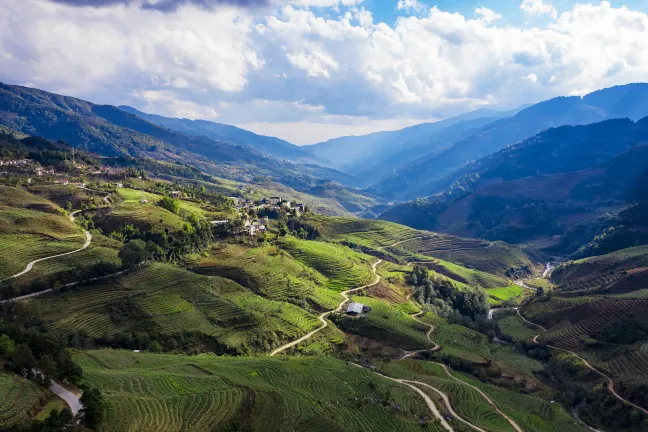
206 393
170 304
32 228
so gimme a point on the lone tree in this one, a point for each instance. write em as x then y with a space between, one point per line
134 253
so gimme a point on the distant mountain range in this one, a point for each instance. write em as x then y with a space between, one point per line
221 132
377 155
421 177
559 189
110 131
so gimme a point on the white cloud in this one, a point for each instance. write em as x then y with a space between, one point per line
487 15
539 7
293 64
316 63
411 6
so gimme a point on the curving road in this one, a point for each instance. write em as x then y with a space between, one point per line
323 316
345 298
610 385
88 237
70 399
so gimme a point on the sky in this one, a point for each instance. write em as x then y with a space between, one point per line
310 70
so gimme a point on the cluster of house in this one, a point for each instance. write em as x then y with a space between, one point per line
14 162
42 171
275 202
66 182
252 228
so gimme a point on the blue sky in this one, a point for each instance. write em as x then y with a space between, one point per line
310 70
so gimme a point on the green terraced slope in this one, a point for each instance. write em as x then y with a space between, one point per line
147 392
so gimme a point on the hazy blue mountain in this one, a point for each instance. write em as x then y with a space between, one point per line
222 132
371 154
419 178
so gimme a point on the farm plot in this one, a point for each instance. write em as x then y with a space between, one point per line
19 399
498 295
370 233
344 268
146 392
473 346
32 228
388 324
466 402
162 299
271 273
489 257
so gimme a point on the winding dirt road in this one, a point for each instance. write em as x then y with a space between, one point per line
88 238
70 399
411 384
323 316
345 298
610 385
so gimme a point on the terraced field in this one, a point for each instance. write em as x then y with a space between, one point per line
498 295
19 399
590 269
102 249
271 273
514 326
370 233
590 318
388 324
531 413
467 276
490 257
170 300
145 392
148 216
32 228
343 267
473 346
61 195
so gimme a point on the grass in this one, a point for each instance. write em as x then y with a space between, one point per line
32 228
370 233
147 392
489 257
271 273
532 413
344 268
513 325
388 324
19 399
55 403
497 296
170 301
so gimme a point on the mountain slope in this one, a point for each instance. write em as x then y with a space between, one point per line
370 154
616 102
109 131
232 134
559 183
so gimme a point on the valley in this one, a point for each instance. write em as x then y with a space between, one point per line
149 282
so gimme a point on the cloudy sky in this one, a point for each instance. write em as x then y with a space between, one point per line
309 70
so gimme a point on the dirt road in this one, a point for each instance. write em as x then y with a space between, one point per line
610 385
